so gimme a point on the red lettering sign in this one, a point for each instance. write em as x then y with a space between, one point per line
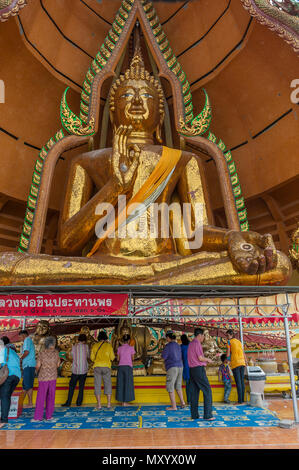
51 305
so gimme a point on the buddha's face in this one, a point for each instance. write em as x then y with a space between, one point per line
125 330
137 104
85 330
42 328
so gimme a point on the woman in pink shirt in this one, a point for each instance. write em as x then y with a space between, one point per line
124 382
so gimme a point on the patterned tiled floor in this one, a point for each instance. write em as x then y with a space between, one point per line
151 438
145 417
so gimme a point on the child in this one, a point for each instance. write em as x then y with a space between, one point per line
224 376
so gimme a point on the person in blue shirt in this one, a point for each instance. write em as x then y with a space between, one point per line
224 375
186 372
9 357
28 365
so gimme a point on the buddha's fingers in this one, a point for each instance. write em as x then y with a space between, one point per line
128 131
249 265
117 153
253 267
242 264
123 140
262 264
116 147
270 251
271 258
122 131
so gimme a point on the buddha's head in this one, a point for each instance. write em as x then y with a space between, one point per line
124 328
85 330
136 99
42 328
207 336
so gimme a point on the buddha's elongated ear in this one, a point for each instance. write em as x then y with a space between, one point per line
162 115
158 133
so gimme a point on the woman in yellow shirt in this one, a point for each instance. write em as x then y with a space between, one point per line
102 355
237 359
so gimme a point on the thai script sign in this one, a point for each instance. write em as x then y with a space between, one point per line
49 305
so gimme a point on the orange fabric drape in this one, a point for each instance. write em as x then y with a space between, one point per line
166 164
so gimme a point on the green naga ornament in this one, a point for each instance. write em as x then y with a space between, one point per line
201 123
71 122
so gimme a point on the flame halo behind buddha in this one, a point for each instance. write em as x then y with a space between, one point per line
227 256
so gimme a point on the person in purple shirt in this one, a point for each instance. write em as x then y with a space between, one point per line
172 356
198 377
124 381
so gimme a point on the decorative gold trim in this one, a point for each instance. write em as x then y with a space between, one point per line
14 8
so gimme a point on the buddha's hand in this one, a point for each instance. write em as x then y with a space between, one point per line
125 158
251 252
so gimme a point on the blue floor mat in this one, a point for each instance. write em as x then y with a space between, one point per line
144 416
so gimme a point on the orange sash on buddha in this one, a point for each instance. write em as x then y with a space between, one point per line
147 194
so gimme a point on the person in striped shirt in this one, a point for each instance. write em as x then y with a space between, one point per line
80 354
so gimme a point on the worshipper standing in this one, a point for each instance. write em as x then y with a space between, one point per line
80 355
186 373
235 355
172 356
9 357
198 377
28 363
224 374
102 355
47 364
125 382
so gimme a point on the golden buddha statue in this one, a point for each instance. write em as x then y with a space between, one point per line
66 344
125 328
90 340
41 332
157 366
294 248
212 351
101 177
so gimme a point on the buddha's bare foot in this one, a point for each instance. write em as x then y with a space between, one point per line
170 408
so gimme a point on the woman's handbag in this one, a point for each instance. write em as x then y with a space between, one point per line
4 369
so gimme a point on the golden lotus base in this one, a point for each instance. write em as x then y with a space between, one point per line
151 389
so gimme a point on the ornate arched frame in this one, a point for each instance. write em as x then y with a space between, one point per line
10 8
79 129
280 22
